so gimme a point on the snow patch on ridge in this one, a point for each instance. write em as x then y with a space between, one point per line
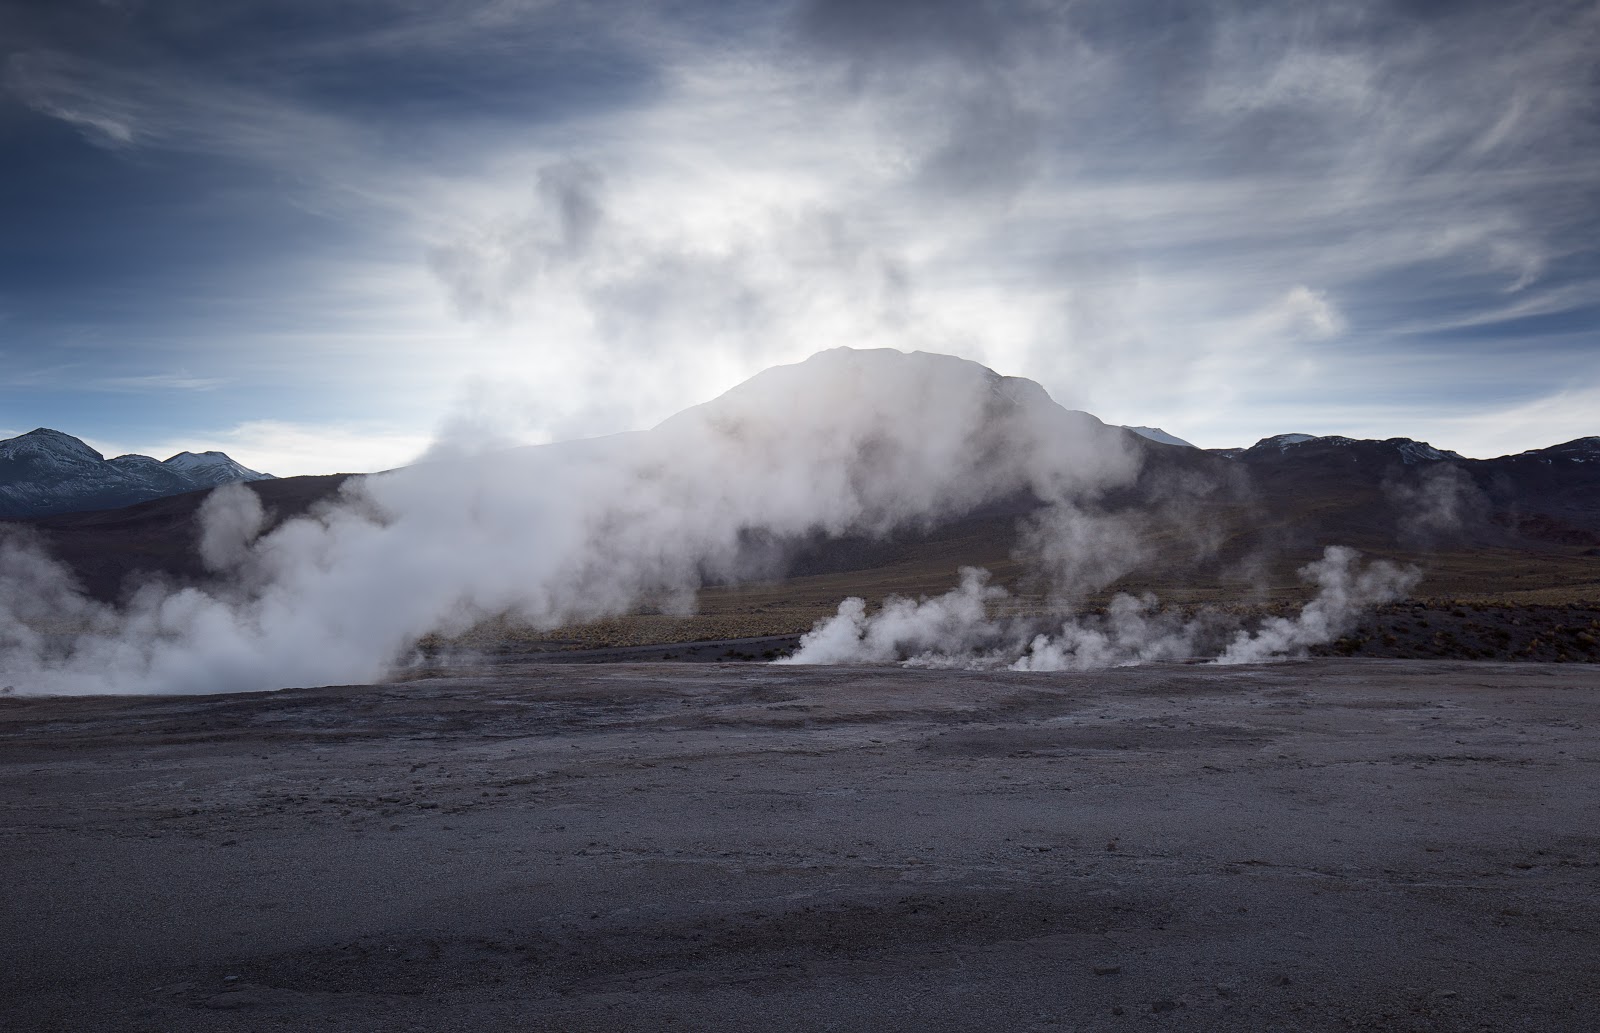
1157 434
213 468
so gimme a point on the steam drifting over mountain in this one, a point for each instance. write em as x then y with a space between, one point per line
848 442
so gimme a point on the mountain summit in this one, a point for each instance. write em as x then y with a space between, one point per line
46 471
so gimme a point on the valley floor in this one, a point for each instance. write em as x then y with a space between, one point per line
1317 845
1423 629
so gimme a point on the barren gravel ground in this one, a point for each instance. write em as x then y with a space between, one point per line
1321 845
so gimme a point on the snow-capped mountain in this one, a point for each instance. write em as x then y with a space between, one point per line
45 471
212 468
1283 441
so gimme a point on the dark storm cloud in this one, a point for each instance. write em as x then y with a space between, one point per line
176 173
408 74
1198 209
867 34
971 63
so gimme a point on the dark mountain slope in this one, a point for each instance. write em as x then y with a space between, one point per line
111 550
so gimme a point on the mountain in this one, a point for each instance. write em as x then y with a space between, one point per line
211 469
1521 526
1205 524
1557 488
1302 446
1578 450
110 549
45 471
1157 434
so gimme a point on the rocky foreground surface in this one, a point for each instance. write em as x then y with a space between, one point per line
1322 845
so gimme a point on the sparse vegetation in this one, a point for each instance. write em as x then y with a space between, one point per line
1483 630
1486 629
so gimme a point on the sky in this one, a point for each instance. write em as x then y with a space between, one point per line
330 237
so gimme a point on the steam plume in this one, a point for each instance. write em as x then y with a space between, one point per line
231 518
847 442
1344 590
955 630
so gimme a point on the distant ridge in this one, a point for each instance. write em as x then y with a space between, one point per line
1514 524
1157 434
1408 450
46 471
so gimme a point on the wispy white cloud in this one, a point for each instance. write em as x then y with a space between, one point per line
172 381
164 107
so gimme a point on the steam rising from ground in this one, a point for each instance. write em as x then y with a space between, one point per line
845 443
956 630
231 519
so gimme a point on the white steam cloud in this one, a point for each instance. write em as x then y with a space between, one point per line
955 629
1435 502
846 443
955 624
231 518
1344 590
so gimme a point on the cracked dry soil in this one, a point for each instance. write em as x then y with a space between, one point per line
1320 845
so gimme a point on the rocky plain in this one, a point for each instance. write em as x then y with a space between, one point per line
1324 844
